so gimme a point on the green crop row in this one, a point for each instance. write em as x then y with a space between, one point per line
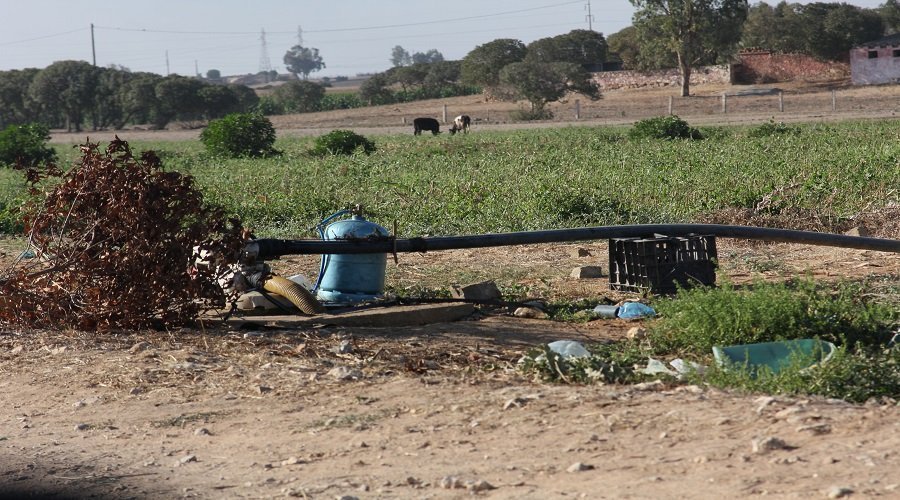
544 178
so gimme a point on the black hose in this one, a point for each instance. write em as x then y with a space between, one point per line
270 248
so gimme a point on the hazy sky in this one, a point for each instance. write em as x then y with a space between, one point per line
353 36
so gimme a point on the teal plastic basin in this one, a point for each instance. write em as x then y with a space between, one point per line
775 355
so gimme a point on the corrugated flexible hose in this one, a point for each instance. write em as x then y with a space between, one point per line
295 293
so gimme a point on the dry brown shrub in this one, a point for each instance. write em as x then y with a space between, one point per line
116 240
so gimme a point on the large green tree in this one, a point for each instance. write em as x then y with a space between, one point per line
303 60
583 47
691 29
890 14
832 29
17 106
400 57
68 87
482 65
543 82
299 97
178 97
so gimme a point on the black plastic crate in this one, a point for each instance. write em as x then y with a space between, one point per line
661 263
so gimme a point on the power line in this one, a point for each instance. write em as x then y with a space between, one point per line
335 30
43 37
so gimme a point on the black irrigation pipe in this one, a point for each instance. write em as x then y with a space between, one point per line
270 248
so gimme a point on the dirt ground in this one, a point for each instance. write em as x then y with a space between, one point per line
242 410
431 411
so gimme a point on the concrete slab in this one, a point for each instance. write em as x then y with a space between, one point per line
389 316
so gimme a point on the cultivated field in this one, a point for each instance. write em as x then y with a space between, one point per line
440 410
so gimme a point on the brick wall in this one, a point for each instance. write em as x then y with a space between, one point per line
609 80
766 67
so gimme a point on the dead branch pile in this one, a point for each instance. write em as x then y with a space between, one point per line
116 240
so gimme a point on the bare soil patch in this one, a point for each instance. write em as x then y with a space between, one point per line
439 411
427 411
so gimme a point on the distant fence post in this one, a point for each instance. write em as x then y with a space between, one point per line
404 120
833 100
781 101
725 103
445 113
577 109
670 105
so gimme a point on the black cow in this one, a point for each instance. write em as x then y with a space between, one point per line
460 124
420 124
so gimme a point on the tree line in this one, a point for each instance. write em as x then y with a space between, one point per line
75 94
664 34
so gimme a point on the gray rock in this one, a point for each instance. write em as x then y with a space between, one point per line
859 230
636 333
767 444
345 373
839 492
451 482
140 346
579 467
530 312
486 290
587 272
187 459
580 252
479 485
82 427
203 431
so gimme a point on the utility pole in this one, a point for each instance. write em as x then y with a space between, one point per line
299 36
196 69
93 47
167 63
589 16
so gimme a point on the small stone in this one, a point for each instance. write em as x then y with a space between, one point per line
763 402
59 350
580 252
17 349
345 373
346 347
578 467
140 346
347 497
486 290
586 272
187 459
636 333
859 230
262 389
518 402
839 492
135 391
478 486
450 482
203 431
816 429
530 312
764 445
82 427
292 461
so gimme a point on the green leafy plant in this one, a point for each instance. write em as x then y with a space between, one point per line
341 142
697 319
25 145
546 365
240 135
664 127
772 128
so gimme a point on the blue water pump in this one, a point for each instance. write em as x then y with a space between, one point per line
351 278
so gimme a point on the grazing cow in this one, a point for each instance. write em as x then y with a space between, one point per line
430 124
460 123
